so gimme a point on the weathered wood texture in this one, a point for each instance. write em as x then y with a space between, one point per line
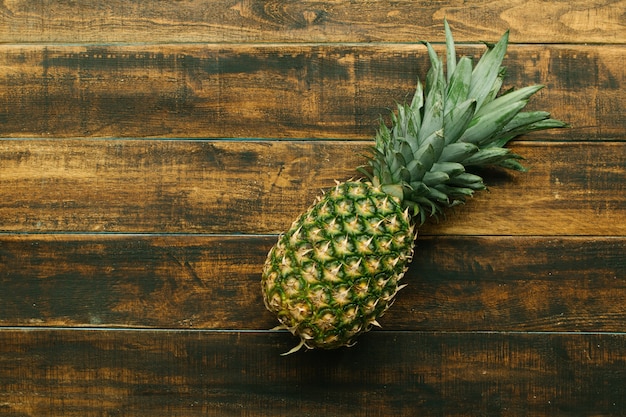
150 151
148 186
212 282
276 91
107 21
163 373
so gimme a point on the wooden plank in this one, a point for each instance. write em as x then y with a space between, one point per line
560 195
157 281
156 186
163 373
514 283
320 21
163 186
276 91
212 282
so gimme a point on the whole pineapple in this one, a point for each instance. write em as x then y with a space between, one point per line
339 266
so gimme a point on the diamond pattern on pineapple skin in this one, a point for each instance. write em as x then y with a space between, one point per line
325 282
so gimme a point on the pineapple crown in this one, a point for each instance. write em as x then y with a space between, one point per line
456 121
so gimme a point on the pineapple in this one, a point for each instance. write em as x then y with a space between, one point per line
339 266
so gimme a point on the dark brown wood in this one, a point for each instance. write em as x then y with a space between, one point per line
513 283
562 197
320 21
140 281
164 186
164 373
276 91
156 186
212 282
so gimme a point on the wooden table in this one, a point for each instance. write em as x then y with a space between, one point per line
150 153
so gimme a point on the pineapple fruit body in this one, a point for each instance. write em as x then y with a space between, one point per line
339 266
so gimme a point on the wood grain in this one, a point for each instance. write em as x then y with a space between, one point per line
156 186
164 373
107 21
276 91
163 186
212 282
151 150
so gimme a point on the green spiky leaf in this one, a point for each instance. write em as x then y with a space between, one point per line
457 117
487 70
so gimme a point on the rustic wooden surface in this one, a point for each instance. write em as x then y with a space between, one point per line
251 21
165 373
150 152
275 91
144 186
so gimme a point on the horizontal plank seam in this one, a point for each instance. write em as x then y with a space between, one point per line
272 44
355 141
4 234
269 331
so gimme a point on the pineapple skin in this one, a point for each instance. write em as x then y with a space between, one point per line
338 267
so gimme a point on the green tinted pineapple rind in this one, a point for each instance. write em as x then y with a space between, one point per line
338 267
